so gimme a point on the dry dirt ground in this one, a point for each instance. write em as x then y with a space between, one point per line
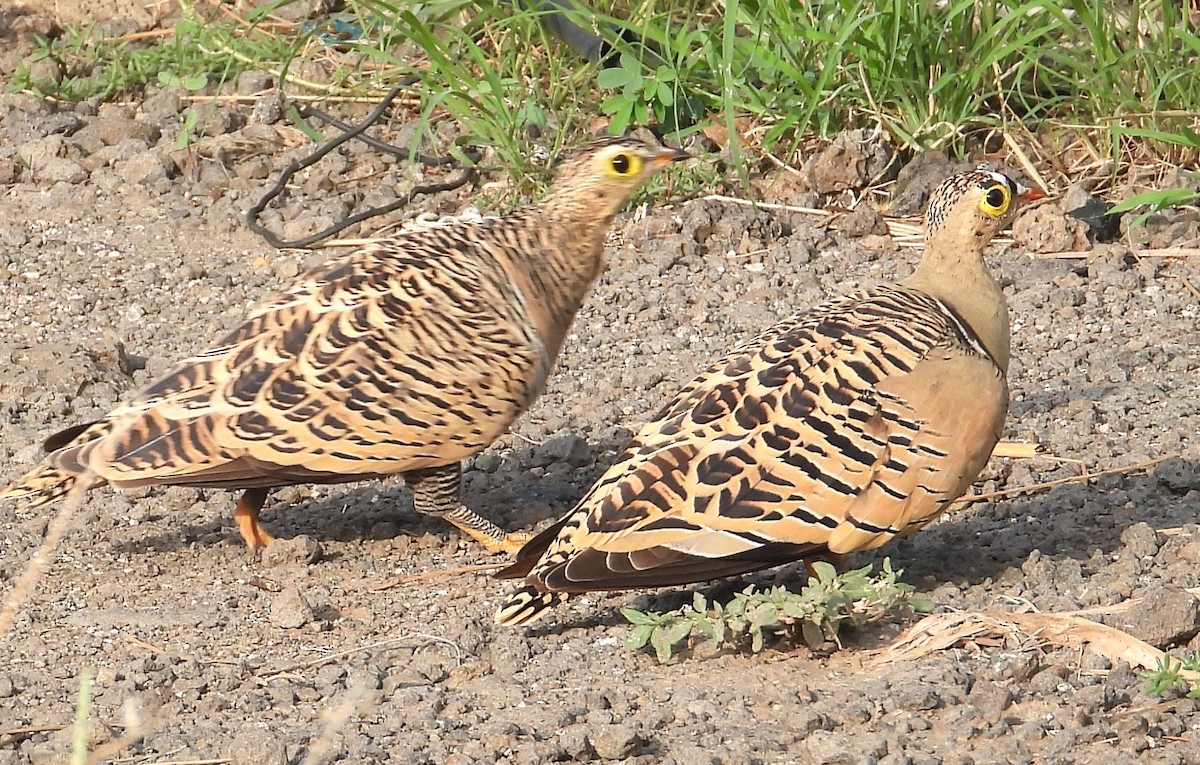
120 254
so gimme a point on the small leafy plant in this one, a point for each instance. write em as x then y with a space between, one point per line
1172 672
816 613
638 94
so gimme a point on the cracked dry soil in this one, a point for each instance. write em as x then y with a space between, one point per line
120 254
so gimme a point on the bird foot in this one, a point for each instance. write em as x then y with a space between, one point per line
509 543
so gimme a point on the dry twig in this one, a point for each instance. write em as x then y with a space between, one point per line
942 631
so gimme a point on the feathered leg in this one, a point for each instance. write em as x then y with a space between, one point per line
436 492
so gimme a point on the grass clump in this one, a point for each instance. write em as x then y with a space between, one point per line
193 55
816 614
767 75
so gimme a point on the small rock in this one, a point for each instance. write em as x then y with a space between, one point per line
45 72
267 110
917 698
37 153
57 749
58 169
290 610
146 168
569 448
917 180
300 550
1140 539
1162 617
214 121
614 742
295 12
851 161
860 221
833 748
10 171
574 741
1092 211
162 108
990 698
1178 474
254 81
109 131
1046 228
256 746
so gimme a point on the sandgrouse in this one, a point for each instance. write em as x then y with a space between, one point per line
833 431
402 357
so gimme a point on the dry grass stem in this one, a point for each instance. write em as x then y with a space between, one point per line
1190 287
1024 631
1163 252
1017 450
437 575
395 642
1063 481
28 580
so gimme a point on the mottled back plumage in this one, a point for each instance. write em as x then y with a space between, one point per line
405 356
832 431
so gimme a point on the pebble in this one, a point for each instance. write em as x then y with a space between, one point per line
146 168
1162 616
613 742
1047 228
254 81
290 610
299 550
256 745
37 153
60 169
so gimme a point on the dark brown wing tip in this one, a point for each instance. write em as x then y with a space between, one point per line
527 605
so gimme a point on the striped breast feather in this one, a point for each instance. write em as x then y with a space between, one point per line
771 445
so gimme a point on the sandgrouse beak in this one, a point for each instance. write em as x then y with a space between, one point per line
1029 193
667 155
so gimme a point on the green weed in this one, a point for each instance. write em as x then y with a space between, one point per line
1172 672
826 602
772 73
195 53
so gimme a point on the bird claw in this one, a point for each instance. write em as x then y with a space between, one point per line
510 543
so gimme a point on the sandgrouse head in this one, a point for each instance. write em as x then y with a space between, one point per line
594 180
982 201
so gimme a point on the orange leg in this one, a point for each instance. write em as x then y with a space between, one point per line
246 516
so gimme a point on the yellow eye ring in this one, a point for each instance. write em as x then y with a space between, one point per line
624 165
996 201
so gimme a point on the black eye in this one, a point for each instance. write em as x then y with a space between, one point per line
621 163
996 198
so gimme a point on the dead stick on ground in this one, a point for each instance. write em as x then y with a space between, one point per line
1191 288
41 558
438 574
1164 252
942 631
29 729
389 643
1063 481
1023 160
